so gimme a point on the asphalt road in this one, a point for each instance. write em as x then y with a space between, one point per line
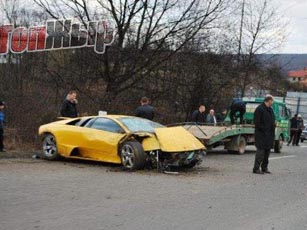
220 194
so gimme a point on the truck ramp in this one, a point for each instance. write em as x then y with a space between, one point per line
210 135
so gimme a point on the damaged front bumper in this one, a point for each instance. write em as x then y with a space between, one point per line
165 160
188 159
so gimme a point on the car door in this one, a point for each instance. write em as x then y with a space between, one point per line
101 137
70 137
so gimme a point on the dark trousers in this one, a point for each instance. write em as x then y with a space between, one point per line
262 159
233 116
298 136
293 137
1 139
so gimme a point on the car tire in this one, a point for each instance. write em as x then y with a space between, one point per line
132 155
278 145
50 150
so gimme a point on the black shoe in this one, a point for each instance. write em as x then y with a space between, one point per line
2 150
266 171
258 171
297 145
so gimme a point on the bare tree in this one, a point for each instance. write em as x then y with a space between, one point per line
149 32
261 30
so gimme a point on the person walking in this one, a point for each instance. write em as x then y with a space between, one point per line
293 130
199 115
2 120
145 110
69 107
264 120
300 128
211 118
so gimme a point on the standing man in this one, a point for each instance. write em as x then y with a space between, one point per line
69 107
145 110
237 106
300 128
264 120
2 119
211 118
293 130
199 115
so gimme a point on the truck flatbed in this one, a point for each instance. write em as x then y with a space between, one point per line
213 134
235 138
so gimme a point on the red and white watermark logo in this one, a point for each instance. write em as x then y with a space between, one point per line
56 34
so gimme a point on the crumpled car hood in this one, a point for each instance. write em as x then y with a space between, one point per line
177 139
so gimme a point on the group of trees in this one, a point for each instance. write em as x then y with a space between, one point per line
180 53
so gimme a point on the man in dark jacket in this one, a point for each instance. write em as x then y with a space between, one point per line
300 128
221 117
69 107
264 120
2 119
145 110
199 115
293 130
237 106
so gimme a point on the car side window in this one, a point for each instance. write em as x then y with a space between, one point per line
106 124
83 122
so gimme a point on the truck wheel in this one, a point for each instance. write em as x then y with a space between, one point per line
132 155
278 145
242 145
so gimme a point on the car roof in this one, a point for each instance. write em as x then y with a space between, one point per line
112 116
63 120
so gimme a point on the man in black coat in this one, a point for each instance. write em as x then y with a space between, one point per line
69 107
293 130
264 120
300 128
199 115
145 110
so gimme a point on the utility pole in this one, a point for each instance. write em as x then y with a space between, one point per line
240 43
241 32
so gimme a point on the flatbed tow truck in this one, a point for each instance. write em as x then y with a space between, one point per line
236 137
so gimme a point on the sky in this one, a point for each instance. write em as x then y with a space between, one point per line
296 12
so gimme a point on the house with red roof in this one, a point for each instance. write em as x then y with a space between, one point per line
298 76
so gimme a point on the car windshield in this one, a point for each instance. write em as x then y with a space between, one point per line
135 124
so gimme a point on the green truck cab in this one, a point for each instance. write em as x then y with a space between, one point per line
282 117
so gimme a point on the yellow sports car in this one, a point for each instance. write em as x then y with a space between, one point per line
131 141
